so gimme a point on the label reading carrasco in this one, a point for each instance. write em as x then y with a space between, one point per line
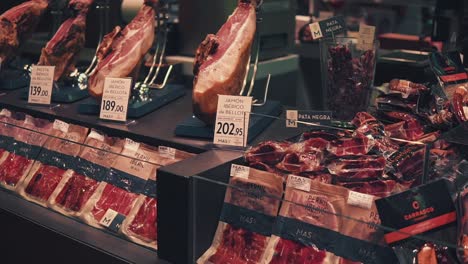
114 102
40 87
232 120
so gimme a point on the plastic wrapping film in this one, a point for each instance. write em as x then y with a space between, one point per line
92 164
250 207
57 156
8 126
125 181
317 224
140 225
28 141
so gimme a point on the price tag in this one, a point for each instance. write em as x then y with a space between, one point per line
327 27
360 199
167 152
96 135
40 87
114 104
232 120
240 171
131 145
300 183
5 112
60 125
366 37
291 118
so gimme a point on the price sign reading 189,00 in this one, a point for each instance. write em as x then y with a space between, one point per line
229 129
114 103
108 105
37 91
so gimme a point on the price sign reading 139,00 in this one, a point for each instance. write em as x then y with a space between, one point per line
37 91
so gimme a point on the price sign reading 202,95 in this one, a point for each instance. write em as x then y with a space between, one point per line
232 120
40 88
114 102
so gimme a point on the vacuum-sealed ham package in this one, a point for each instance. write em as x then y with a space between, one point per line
322 223
118 193
29 138
140 225
92 164
9 124
57 156
250 207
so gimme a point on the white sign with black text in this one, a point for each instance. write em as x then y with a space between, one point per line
232 120
114 104
40 87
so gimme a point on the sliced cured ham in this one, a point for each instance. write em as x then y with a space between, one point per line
221 61
62 50
17 24
127 49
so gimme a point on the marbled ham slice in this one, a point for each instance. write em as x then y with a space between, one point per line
127 50
221 61
17 24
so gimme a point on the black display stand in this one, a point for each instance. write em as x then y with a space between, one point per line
12 79
138 108
194 127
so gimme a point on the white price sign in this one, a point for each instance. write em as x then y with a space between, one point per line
114 104
366 37
232 120
40 87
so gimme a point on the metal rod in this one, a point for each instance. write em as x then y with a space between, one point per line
265 95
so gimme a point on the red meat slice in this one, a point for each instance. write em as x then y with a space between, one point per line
290 252
358 145
239 246
268 152
44 182
13 168
113 198
76 192
301 162
144 223
361 167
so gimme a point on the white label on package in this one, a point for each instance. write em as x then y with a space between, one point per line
29 120
366 37
96 135
360 199
40 87
240 171
5 112
232 120
167 152
291 118
404 83
300 183
131 145
108 217
114 103
60 125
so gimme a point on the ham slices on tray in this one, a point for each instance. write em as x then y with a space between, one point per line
122 51
221 61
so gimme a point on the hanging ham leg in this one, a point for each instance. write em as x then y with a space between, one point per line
221 61
62 50
127 49
17 24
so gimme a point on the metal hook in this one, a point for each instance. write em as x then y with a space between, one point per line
265 96
159 53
